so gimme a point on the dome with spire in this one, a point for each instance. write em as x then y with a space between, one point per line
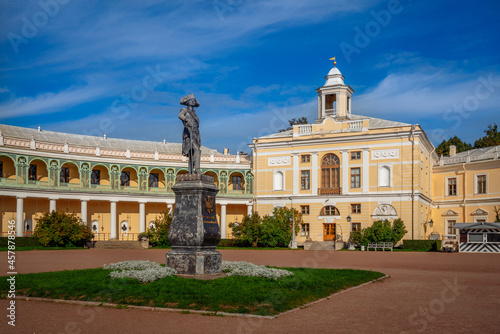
334 77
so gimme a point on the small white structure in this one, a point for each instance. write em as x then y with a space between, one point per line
479 237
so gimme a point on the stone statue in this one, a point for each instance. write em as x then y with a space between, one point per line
191 141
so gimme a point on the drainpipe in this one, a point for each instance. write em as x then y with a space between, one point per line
412 139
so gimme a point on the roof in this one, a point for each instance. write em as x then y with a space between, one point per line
468 226
373 123
92 141
478 154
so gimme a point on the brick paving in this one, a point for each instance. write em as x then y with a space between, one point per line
427 292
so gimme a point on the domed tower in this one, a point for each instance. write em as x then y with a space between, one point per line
334 98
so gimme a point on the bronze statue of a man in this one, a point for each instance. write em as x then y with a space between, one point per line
191 141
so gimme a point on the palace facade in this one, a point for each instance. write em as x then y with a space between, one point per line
342 172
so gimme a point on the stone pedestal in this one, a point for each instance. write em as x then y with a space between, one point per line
194 232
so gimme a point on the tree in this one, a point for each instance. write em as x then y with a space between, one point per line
444 147
249 230
380 231
158 234
492 137
295 121
58 228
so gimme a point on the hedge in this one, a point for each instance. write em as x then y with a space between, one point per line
233 243
423 245
21 242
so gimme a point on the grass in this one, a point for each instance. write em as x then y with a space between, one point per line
234 294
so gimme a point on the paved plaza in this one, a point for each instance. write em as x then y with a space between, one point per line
427 292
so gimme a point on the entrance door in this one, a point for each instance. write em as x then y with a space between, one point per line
328 232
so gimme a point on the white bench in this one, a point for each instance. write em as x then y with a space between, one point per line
380 245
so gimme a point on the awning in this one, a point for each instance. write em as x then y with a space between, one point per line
468 226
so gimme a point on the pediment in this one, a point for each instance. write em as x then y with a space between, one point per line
480 212
450 213
385 210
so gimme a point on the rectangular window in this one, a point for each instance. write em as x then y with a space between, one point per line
95 178
355 177
305 158
304 209
153 180
356 155
493 237
32 173
452 186
304 229
236 182
355 208
481 184
305 180
475 237
125 179
355 227
451 223
64 177
1 168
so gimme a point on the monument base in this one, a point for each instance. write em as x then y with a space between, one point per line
193 260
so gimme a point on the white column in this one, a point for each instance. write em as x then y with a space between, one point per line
323 104
52 206
366 170
142 217
170 207
223 221
84 212
314 172
319 107
296 176
112 221
345 171
19 216
249 209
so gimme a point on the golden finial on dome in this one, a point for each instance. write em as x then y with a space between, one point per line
334 62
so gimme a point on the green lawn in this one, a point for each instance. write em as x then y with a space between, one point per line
234 294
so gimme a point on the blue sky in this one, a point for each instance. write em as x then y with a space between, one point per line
121 67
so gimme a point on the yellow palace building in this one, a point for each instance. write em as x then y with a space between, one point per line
342 172
345 171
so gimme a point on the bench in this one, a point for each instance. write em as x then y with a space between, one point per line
380 245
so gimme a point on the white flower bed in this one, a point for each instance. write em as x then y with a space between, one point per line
243 268
143 271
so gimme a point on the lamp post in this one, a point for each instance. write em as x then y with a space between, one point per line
293 243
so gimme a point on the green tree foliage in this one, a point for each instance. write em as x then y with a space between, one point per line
158 234
380 231
295 121
60 229
492 137
444 147
269 231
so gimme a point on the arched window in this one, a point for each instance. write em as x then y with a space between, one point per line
330 210
384 176
278 181
330 175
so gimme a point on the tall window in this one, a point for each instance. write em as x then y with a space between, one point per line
451 223
481 184
153 180
125 179
32 173
64 177
305 158
356 155
355 227
355 208
304 209
452 186
330 210
330 172
304 229
305 180
95 178
355 177
236 182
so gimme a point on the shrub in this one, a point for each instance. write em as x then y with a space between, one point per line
248 269
22 242
143 271
158 234
249 230
422 245
61 229
380 231
233 243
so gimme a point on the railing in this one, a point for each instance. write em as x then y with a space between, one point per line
355 126
128 236
69 185
305 129
101 236
330 191
4 180
331 112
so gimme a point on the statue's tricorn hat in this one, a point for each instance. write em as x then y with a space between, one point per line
185 99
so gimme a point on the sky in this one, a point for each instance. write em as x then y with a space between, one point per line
120 68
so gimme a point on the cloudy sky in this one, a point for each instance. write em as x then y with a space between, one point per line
121 67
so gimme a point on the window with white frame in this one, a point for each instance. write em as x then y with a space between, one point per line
452 186
304 229
481 184
305 180
278 181
450 224
476 237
